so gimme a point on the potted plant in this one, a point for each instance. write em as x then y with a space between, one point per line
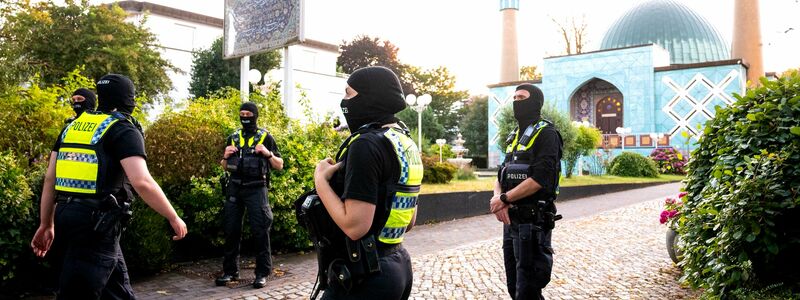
668 217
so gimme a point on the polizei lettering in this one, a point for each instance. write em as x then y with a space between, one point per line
83 126
517 176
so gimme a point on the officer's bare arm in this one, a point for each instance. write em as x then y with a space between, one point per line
524 189
276 163
497 189
47 201
144 184
354 217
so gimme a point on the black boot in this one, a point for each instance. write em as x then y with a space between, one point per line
225 278
260 282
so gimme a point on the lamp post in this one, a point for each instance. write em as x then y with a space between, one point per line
441 143
622 131
418 105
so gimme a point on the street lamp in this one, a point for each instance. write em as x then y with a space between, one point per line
418 105
441 143
254 76
622 131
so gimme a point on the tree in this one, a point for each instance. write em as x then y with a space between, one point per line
475 124
440 84
52 40
365 51
574 32
210 72
529 73
431 127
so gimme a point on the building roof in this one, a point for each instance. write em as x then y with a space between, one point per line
687 36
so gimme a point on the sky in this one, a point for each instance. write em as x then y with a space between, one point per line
464 36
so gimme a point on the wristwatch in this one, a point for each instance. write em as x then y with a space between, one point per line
504 198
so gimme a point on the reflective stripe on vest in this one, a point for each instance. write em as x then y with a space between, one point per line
404 200
238 138
406 191
77 164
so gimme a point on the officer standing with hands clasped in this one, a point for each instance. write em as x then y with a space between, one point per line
250 154
84 204
524 193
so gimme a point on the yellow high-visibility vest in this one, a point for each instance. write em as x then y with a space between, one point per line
405 192
80 159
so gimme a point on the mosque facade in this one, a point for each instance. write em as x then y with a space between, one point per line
660 73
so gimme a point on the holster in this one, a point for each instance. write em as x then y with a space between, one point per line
114 218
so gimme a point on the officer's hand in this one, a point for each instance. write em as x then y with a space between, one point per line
495 204
42 240
326 168
229 150
502 215
263 150
179 227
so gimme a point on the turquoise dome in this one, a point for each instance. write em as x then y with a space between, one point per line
687 36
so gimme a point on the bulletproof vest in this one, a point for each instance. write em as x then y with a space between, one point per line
246 166
519 155
82 163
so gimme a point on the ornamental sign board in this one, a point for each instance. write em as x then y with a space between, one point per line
255 26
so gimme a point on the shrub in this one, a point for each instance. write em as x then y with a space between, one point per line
147 243
16 212
669 161
740 218
586 141
466 173
630 164
437 172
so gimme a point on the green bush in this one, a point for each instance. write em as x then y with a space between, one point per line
15 213
437 172
31 118
147 243
466 173
631 164
740 219
586 142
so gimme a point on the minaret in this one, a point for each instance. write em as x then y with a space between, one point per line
509 61
747 38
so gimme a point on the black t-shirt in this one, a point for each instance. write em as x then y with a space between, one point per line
371 166
122 140
545 162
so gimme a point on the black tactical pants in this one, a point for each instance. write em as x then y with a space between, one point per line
93 265
393 282
528 258
254 200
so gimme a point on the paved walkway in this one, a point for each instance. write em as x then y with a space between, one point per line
607 247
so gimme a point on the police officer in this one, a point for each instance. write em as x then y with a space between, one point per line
371 191
83 198
82 100
250 154
523 196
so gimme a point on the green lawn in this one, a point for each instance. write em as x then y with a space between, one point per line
486 184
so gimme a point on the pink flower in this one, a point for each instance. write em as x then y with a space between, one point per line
672 214
670 201
682 194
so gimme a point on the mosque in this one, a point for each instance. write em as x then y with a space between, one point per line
659 73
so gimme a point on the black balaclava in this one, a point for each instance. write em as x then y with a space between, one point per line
380 96
528 110
116 91
250 124
86 105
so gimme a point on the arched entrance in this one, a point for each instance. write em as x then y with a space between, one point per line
598 102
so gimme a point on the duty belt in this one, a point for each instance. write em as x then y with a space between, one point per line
388 249
523 214
91 202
